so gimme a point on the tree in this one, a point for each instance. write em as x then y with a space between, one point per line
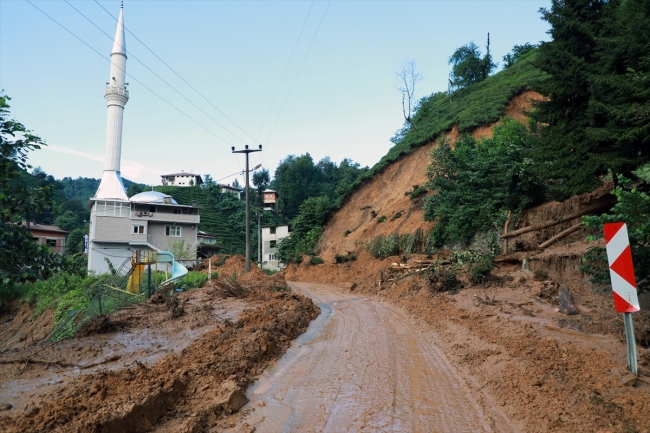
408 77
20 258
468 67
134 189
261 180
518 51
306 230
478 182
596 116
297 179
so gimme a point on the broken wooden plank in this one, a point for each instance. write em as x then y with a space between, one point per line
551 223
561 235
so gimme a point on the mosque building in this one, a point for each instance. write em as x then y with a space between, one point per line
149 221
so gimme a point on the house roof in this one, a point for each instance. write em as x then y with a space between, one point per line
45 228
223 185
270 190
205 234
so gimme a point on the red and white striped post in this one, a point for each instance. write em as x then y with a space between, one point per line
621 272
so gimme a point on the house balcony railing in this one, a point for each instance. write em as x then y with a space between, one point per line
166 217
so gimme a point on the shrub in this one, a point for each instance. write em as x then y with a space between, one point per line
381 219
269 271
418 191
340 258
346 233
315 260
192 280
443 279
633 208
397 215
373 214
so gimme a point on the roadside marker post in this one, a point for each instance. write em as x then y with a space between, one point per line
621 272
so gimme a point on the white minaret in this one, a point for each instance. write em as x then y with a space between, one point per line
116 96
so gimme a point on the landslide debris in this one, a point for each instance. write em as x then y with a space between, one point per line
186 391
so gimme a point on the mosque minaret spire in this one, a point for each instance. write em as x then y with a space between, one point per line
116 95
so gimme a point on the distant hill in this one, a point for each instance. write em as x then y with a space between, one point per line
83 188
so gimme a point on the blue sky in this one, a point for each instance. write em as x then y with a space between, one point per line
343 101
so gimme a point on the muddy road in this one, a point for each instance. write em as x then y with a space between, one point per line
363 365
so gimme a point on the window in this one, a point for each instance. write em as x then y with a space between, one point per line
51 243
152 208
138 229
272 244
174 231
177 211
272 230
271 256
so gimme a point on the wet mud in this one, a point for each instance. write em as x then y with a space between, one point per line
363 366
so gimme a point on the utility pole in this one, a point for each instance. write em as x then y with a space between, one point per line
248 210
259 237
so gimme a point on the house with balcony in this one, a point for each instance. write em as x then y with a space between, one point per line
271 237
270 198
149 221
181 179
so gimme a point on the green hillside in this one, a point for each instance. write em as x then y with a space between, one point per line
467 108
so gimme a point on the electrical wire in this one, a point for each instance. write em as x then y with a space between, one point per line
129 75
159 77
179 76
286 68
298 73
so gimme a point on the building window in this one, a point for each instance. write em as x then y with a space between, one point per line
138 230
152 208
272 230
174 231
51 243
271 256
272 244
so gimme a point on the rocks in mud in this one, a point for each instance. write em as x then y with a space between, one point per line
566 302
231 397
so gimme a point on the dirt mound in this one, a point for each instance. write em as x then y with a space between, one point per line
185 392
549 372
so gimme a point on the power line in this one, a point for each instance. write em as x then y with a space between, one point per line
179 76
298 73
286 68
131 76
150 70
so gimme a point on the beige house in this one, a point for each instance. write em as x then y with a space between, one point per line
148 221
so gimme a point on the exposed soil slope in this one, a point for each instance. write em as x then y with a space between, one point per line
384 194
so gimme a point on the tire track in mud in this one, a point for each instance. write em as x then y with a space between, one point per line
362 366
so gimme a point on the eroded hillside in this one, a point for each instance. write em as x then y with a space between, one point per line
385 194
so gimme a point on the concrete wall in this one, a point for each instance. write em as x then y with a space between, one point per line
156 236
281 232
117 253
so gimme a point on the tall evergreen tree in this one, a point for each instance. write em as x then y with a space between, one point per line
572 151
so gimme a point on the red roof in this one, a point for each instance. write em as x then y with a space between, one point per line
42 227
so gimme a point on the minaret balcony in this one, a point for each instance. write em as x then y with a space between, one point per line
116 94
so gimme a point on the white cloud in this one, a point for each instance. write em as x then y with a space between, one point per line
131 170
